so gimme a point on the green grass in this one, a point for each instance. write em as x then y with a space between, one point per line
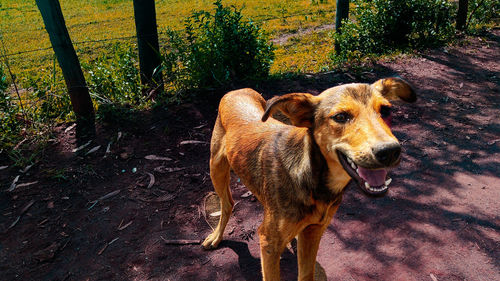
99 21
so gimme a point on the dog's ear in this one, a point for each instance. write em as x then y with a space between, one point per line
395 88
298 107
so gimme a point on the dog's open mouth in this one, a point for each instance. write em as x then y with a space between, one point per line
372 182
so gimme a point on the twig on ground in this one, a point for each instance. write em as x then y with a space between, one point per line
192 142
21 214
180 241
26 184
120 228
111 194
106 246
156 157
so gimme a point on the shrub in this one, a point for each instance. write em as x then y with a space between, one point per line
383 26
114 76
481 12
218 49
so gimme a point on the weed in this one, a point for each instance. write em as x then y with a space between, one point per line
114 77
59 175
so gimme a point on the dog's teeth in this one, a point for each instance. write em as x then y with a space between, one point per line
388 181
349 160
357 170
367 185
353 165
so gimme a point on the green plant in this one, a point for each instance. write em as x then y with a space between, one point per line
48 98
217 50
9 110
383 26
114 76
481 12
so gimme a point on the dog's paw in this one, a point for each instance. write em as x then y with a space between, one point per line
212 241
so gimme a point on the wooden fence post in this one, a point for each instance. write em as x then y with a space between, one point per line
341 14
70 66
463 6
147 42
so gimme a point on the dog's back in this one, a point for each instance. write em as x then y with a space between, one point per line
239 133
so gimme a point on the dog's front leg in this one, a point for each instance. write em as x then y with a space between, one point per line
273 237
308 244
307 249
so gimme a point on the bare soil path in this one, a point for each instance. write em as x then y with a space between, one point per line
120 216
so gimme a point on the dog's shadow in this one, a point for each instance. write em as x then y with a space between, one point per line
251 268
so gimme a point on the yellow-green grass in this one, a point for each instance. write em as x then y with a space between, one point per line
306 53
93 23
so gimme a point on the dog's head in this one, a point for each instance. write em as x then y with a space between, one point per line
351 126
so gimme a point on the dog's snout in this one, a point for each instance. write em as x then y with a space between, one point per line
387 153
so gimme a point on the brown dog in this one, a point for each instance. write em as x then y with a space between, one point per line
298 172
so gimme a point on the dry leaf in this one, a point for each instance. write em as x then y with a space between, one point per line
163 169
215 214
246 194
26 168
26 184
93 150
151 179
13 185
155 157
81 147
193 142
69 128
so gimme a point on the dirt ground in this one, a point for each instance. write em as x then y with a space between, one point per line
120 216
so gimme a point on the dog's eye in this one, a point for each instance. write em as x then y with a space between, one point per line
385 111
342 117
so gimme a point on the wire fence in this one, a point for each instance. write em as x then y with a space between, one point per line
262 20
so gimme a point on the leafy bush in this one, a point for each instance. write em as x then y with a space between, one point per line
217 50
114 84
481 12
114 76
383 26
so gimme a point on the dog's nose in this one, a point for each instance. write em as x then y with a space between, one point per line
387 153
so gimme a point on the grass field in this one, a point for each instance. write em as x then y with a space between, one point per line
94 25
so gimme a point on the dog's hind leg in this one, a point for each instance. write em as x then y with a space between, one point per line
220 175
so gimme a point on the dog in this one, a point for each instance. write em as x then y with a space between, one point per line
299 171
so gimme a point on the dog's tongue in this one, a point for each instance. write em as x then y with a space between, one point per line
373 177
